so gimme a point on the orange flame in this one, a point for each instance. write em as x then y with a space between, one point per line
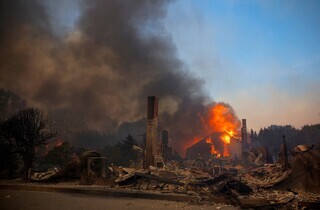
214 152
208 140
225 138
226 151
221 119
212 149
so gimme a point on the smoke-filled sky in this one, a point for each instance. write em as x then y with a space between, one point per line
95 62
101 59
262 57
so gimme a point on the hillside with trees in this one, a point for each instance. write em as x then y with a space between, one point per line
271 136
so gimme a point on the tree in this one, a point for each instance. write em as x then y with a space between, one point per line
122 152
6 151
28 129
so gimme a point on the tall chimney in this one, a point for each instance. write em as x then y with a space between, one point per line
151 135
244 140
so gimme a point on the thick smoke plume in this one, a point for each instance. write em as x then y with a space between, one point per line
104 70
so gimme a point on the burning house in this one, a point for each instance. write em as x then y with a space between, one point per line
224 138
213 146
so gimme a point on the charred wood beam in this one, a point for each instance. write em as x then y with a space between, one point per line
157 178
210 181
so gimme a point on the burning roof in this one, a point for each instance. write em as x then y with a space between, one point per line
223 127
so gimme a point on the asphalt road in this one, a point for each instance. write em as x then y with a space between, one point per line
17 199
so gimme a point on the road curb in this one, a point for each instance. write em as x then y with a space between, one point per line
101 191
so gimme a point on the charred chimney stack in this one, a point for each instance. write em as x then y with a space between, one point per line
151 134
244 135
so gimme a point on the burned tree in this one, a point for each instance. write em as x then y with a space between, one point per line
6 149
26 130
127 149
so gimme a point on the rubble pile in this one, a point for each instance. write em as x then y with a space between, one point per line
266 176
220 180
248 187
189 181
49 174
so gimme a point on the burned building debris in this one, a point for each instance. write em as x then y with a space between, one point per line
257 156
213 170
264 185
223 180
220 180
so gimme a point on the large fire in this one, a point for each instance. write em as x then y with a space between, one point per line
222 120
219 119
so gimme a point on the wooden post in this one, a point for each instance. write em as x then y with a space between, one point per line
285 152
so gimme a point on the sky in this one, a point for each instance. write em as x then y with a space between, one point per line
261 57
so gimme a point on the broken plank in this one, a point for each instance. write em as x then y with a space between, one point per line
157 178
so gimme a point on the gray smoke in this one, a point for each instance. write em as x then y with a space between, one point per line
104 70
